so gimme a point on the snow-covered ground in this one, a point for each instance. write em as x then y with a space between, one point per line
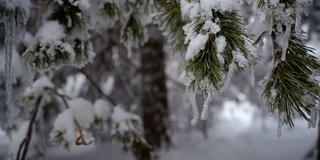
240 137
237 135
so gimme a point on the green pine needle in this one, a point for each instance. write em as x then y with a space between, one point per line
290 88
205 64
62 12
170 21
133 31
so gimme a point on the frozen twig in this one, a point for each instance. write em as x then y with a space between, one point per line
80 139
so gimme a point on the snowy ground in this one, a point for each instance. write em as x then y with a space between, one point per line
237 137
231 142
234 137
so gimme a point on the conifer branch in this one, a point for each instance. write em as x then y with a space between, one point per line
206 65
168 17
80 139
292 87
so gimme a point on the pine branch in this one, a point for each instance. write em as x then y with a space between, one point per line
134 33
206 66
292 87
168 18
68 15
80 139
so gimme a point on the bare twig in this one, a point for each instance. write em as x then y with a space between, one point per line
98 88
80 139
30 130
20 148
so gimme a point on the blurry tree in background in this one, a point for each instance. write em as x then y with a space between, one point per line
94 66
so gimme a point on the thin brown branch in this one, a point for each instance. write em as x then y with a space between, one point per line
80 139
30 129
63 97
98 88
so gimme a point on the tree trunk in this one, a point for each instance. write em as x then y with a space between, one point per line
154 102
317 149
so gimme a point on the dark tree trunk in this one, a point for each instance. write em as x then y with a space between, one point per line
318 142
154 102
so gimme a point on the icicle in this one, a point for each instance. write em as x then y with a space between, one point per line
298 21
69 24
227 79
280 123
30 75
206 106
195 118
270 28
10 27
82 39
286 41
313 117
253 78
129 47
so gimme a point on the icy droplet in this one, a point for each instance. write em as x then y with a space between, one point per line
313 117
253 78
69 24
195 118
280 123
206 106
10 27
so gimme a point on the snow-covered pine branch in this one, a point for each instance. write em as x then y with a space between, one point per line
291 87
216 42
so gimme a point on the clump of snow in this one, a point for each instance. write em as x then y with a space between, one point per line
82 111
64 126
49 41
38 87
124 121
189 9
50 32
211 26
64 121
102 109
221 43
196 45
222 5
108 86
74 85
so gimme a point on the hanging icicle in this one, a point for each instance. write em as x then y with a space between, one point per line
253 78
313 117
16 14
10 27
195 118
82 36
206 106
280 124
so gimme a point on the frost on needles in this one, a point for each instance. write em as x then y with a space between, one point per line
216 44
291 87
